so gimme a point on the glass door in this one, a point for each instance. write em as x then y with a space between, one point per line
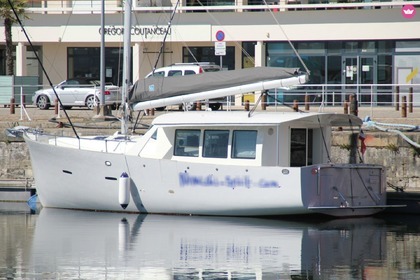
359 74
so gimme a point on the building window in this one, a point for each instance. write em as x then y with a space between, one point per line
351 47
85 62
386 47
368 47
33 67
210 2
407 46
334 47
248 54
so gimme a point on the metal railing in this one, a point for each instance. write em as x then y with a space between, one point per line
370 95
282 6
315 95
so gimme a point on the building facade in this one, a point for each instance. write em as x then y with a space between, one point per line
371 45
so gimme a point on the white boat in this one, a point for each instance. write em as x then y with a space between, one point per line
209 163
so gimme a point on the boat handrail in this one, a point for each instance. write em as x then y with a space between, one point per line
107 140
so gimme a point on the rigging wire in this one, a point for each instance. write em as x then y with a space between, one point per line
255 105
42 67
323 139
235 42
162 45
161 16
288 40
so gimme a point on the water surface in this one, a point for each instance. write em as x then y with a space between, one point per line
65 244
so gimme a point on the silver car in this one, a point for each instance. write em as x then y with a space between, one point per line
80 92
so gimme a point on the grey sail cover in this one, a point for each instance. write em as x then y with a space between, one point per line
154 88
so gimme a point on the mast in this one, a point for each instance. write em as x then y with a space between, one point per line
126 63
102 63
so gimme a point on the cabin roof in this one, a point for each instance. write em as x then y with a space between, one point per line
257 118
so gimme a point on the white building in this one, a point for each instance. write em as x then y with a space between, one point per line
369 43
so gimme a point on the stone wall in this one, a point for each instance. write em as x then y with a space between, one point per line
15 161
401 160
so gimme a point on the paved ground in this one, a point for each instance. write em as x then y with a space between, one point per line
32 116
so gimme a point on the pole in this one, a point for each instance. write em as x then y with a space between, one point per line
126 63
102 62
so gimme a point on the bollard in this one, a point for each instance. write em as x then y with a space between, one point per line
12 105
346 107
410 100
152 111
397 98
353 105
246 105
56 106
306 102
263 102
295 105
198 106
404 106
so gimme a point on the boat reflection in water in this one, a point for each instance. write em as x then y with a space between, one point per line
77 244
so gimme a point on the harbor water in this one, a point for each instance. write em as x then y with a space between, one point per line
66 244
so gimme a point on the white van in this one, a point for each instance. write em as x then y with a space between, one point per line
181 69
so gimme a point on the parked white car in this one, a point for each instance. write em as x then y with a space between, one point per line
77 92
182 69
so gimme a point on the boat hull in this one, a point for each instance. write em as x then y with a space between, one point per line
63 180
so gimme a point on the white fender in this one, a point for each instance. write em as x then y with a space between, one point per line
124 190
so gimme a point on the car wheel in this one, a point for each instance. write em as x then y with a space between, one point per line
43 102
214 106
90 102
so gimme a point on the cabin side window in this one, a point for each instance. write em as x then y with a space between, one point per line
301 142
216 143
244 144
187 142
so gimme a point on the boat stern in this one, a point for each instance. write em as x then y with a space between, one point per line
345 190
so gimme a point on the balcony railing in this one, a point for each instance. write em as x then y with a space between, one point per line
94 7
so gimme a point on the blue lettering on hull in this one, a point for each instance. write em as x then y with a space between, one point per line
186 180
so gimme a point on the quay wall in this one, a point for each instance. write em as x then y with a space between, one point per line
401 160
